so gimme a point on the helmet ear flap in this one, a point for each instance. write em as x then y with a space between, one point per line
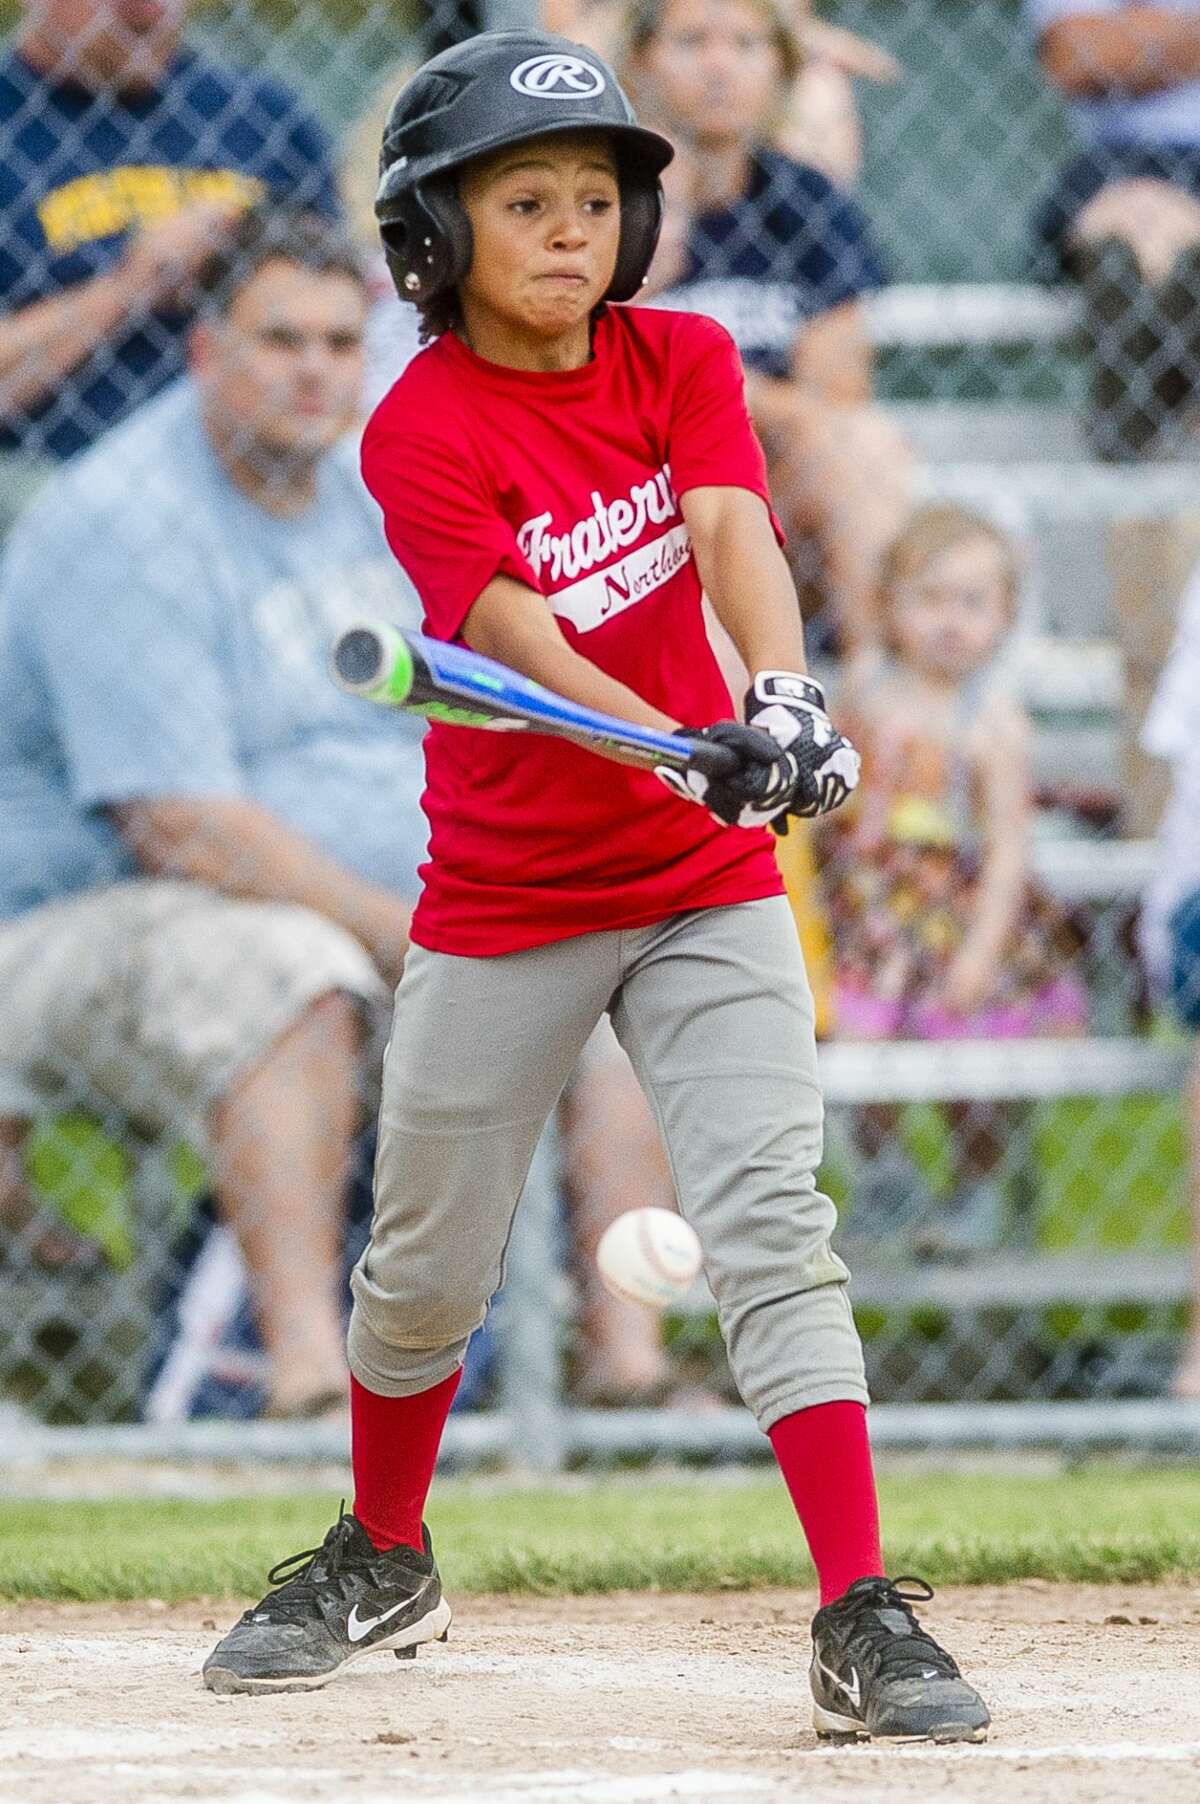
426 239
641 223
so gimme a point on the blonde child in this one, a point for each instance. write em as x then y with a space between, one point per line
939 932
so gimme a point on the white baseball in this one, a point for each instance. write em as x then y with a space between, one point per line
649 1256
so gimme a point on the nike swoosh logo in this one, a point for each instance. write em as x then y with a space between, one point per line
359 1627
853 1691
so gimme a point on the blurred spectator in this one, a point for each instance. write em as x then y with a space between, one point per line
208 852
938 933
122 158
819 121
1171 917
1125 216
781 257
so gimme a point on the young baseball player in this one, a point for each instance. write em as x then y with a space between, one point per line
560 477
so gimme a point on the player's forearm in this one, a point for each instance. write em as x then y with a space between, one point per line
514 626
236 846
1141 50
44 342
746 578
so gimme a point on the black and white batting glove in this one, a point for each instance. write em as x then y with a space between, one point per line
754 793
791 709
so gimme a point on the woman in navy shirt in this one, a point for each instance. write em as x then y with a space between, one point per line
781 257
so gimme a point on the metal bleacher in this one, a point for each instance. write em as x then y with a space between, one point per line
1027 463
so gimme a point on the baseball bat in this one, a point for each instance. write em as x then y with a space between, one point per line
399 669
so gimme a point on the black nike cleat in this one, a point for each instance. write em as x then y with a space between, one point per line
331 1605
876 1675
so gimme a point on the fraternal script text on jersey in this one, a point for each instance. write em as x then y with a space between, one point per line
590 600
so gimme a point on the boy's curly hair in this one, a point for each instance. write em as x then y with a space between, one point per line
438 314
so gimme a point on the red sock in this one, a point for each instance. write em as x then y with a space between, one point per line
394 1448
825 1458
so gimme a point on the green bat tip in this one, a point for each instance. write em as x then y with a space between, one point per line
375 662
398 680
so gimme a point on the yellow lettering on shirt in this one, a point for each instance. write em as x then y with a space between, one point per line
117 200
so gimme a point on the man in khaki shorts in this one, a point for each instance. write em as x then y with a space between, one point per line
207 855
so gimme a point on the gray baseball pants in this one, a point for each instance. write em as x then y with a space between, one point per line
715 1011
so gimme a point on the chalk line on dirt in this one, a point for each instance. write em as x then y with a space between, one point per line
1170 1754
612 1701
563 1788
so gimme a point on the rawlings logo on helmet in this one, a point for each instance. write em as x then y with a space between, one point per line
557 77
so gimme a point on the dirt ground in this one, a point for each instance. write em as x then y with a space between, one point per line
1095 1693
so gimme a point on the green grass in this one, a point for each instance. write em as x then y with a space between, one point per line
1097 1523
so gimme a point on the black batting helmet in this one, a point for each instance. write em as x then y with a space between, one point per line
496 89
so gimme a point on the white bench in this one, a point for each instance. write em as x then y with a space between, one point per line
917 1071
1094 870
1033 1071
939 316
912 1071
1032 457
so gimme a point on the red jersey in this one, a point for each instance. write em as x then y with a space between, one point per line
569 481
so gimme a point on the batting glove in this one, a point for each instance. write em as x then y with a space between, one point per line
792 710
758 790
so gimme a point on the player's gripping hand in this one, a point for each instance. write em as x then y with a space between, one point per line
791 709
754 793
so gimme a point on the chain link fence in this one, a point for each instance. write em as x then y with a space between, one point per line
974 392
